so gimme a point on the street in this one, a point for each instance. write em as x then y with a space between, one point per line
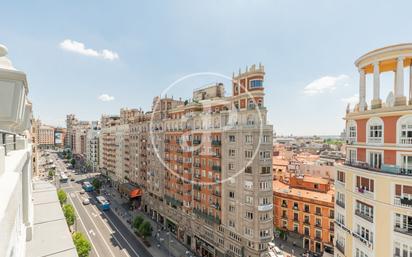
107 234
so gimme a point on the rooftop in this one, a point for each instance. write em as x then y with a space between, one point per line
279 187
49 220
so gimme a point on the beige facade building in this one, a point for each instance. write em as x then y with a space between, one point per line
205 166
373 208
46 136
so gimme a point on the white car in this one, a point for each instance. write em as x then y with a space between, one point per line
277 251
82 191
86 201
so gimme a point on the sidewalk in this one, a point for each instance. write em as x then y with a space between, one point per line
162 243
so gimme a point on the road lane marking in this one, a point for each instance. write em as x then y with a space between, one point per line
84 226
112 231
98 231
91 232
118 230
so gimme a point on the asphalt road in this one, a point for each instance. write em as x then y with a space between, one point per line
108 235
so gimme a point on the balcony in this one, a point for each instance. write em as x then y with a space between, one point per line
340 203
365 192
266 207
306 222
389 169
216 142
405 141
285 217
196 141
318 225
340 247
375 140
403 202
216 168
405 231
284 205
363 216
197 165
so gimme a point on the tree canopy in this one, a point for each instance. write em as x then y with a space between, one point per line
83 246
62 196
69 213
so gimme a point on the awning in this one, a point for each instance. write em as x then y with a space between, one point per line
131 190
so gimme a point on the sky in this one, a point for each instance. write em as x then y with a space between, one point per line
94 57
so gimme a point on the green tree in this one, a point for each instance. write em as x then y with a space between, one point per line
73 162
69 213
137 221
51 173
62 196
145 229
83 246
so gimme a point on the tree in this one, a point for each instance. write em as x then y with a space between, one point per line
68 212
145 229
51 173
137 221
73 162
97 184
83 246
62 196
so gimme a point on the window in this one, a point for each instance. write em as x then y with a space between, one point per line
352 131
264 185
231 223
265 233
264 216
249 199
231 194
360 253
296 227
364 210
232 152
231 166
231 208
248 154
306 231
341 176
340 218
248 170
351 156
264 155
406 163
318 211
375 160
257 83
232 138
403 223
248 139
249 215
265 170
364 233
364 184
375 130
248 231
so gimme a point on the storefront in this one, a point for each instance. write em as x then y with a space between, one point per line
131 192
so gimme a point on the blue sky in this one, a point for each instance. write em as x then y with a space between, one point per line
308 49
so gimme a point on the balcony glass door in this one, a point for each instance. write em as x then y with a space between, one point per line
406 164
375 160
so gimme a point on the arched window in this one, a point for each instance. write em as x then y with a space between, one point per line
351 132
404 130
375 131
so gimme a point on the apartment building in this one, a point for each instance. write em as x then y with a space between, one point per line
92 146
304 209
107 145
71 122
46 136
206 166
374 186
79 133
28 210
59 137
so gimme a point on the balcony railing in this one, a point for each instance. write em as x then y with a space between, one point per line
216 142
403 202
364 216
196 141
8 141
216 168
340 247
390 169
405 231
406 141
340 203
365 192
375 140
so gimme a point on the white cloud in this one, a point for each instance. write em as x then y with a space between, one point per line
326 84
105 98
80 48
352 100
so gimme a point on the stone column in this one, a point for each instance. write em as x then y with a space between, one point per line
362 90
376 101
400 99
410 83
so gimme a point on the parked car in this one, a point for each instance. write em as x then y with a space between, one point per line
277 251
82 191
86 201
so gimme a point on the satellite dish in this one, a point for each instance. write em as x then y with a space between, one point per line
390 100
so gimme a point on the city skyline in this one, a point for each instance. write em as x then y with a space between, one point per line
112 61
